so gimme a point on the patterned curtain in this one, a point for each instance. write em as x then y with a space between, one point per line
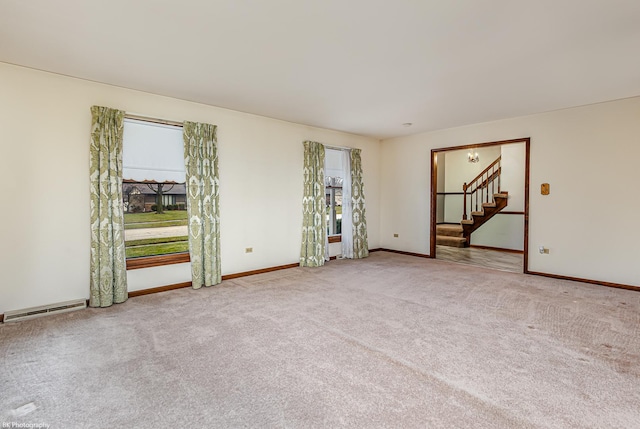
347 212
314 221
108 275
201 162
360 241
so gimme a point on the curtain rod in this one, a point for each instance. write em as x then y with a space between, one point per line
154 120
337 147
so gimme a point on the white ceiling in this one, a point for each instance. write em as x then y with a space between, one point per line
361 66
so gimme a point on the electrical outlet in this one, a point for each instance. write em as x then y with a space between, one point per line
395 235
248 250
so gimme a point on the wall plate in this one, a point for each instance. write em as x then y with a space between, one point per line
544 189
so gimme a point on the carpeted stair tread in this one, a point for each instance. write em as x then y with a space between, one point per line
445 240
449 230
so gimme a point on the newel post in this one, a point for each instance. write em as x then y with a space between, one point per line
464 191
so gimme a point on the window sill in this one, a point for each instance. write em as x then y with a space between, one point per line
335 239
157 261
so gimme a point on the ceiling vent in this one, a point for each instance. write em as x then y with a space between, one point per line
33 312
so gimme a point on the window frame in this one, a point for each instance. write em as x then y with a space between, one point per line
333 238
157 260
139 262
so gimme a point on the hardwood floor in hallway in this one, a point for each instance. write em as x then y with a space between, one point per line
495 259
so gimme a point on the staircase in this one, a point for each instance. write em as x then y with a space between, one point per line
480 217
450 235
484 194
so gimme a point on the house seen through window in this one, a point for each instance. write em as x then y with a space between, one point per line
153 189
333 177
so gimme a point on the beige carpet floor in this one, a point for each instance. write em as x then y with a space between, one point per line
391 341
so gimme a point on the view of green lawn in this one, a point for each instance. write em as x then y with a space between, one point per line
157 249
155 220
155 245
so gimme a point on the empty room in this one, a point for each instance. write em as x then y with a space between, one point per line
319 214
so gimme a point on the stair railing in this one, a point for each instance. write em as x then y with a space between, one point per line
479 186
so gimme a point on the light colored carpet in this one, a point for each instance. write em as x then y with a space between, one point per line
389 341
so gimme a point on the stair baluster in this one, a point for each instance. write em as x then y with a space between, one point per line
480 185
492 187
464 201
491 203
486 187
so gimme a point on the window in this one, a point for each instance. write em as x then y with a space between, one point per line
153 192
333 176
334 207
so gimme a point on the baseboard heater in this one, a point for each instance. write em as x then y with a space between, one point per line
44 310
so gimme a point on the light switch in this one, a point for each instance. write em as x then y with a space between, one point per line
544 189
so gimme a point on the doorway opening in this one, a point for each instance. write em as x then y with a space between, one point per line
480 204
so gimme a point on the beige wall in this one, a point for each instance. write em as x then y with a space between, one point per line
44 171
589 157
459 171
506 231
587 221
502 231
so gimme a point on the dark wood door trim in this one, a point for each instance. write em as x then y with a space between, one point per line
434 202
434 188
527 161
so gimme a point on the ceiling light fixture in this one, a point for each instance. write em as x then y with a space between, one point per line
473 156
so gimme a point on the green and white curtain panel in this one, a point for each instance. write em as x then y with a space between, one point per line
360 239
314 219
201 162
108 271
314 226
